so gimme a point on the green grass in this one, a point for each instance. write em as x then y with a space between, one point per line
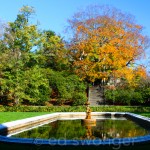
144 114
20 112
11 116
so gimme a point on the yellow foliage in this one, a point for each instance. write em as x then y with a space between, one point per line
105 46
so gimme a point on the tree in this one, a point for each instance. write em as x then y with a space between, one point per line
34 65
27 11
20 35
53 49
3 26
18 42
105 43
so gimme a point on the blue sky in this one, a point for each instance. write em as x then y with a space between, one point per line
53 14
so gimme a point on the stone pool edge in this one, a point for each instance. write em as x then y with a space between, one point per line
8 126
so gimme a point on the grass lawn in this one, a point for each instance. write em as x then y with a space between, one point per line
11 116
145 114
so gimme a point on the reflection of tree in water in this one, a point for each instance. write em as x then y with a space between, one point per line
73 129
104 131
107 129
97 131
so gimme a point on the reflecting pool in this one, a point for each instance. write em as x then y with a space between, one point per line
74 129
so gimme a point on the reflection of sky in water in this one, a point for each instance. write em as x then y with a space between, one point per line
73 129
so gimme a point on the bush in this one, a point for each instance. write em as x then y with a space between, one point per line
65 87
124 97
74 109
79 99
37 89
145 93
29 86
111 96
137 98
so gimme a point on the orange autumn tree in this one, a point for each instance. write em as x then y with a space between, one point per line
105 43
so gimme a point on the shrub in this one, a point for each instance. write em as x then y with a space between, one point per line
73 109
137 98
124 97
111 96
65 87
79 99
29 86
37 89
145 93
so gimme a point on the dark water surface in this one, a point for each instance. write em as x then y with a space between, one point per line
73 129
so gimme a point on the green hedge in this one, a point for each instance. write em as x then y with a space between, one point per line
126 97
74 109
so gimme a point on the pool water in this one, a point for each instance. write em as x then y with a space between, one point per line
74 129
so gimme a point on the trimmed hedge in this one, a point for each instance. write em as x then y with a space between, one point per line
126 97
74 109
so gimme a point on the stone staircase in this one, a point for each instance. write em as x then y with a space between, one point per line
96 96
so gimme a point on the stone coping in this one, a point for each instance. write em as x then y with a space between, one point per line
9 126
55 116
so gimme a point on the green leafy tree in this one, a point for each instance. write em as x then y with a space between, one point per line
19 39
34 65
27 11
20 35
52 48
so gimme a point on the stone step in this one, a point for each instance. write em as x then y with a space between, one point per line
96 96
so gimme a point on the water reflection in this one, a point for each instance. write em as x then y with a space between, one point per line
73 129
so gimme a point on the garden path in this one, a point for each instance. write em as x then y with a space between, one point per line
96 96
